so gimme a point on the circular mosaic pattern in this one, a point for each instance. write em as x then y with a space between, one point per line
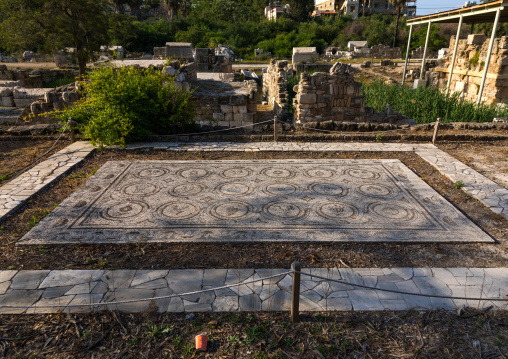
187 189
328 189
319 173
236 172
338 211
284 210
375 190
274 172
280 189
392 211
234 189
361 173
150 172
193 173
231 210
122 210
178 210
140 189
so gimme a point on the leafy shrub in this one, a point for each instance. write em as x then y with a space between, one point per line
425 105
127 103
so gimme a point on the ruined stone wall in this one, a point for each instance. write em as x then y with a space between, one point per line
385 52
207 60
469 68
225 104
31 78
275 82
329 97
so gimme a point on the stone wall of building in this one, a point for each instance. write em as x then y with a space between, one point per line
385 52
329 97
275 82
182 51
207 60
225 104
469 68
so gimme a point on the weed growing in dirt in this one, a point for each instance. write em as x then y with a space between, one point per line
153 331
233 340
6 176
458 184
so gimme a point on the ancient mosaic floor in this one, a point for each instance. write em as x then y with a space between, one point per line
278 200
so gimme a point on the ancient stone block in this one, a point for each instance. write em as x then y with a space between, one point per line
8 101
218 116
226 109
309 98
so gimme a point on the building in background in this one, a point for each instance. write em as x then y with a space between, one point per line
356 8
275 9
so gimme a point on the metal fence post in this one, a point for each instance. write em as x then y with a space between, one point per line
295 297
436 129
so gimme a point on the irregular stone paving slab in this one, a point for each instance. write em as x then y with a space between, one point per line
18 191
268 295
257 200
480 187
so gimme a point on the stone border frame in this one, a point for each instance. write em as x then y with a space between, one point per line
15 193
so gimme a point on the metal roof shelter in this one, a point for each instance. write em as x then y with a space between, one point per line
485 13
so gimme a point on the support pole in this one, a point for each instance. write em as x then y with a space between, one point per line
454 57
295 297
425 51
489 54
407 54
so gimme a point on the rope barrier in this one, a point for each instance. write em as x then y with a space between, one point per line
404 293
41 157
223 130
146 299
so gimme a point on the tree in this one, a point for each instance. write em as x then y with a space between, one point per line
56 24
399 7
300 10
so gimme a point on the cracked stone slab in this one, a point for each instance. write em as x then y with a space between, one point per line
258 200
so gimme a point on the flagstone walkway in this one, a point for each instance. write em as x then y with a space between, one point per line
71 290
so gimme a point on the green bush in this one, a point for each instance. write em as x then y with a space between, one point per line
126 104
425 105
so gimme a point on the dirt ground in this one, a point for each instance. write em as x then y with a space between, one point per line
490 159
411 334
16 155
256 255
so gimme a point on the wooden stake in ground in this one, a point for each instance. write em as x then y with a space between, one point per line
71 129
295 297
275 130
436 129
